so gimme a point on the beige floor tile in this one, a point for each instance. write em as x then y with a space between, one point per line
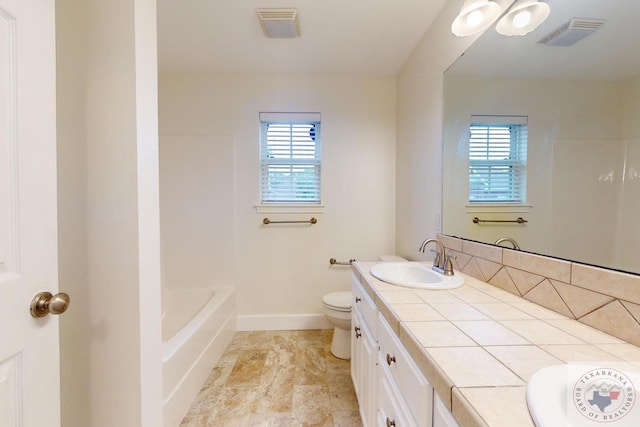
270 420
248 368
253 384
235 403
311 405
342 395
218 376
194 420
310 366
276 389
346 419
337 367
312 338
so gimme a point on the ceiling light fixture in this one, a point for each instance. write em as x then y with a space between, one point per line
475 16
523 17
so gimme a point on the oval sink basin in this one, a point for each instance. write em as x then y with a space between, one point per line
414 275
583 395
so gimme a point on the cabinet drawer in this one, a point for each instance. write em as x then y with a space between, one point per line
363 302
414 387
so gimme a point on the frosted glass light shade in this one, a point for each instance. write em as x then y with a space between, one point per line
523 17
475 16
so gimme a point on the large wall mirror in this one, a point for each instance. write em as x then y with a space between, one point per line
581 104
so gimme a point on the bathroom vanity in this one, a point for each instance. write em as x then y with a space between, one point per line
391 389
460 357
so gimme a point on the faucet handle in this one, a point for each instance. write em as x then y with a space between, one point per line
436 260
448 264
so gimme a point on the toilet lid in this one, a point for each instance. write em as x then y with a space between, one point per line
338 300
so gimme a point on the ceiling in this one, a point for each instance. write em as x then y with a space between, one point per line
372 37
612 53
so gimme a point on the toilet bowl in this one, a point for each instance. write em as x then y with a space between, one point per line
337 308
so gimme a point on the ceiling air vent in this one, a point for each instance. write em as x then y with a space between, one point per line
572 32
279 23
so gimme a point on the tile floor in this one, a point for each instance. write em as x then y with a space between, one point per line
277 378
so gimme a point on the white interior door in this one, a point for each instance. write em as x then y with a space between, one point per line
29 349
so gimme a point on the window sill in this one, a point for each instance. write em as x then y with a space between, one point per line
498 208
289 209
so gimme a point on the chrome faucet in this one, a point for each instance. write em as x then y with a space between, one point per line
509 240
442 262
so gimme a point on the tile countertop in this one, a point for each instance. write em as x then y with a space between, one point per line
478 345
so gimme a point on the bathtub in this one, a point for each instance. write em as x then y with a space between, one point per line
192 343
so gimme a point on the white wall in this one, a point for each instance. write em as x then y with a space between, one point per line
419 131
73 263
197 212
284 270
108 213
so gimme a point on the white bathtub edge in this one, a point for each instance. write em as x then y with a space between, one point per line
282 322
178 403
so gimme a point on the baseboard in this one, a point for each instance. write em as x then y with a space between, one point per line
283 322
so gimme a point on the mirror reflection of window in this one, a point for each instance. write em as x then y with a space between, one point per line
498 159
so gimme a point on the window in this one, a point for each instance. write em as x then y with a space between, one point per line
498 159
290 158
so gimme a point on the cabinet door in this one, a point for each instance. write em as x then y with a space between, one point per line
368 353
391 411
442 417
416 391
356 346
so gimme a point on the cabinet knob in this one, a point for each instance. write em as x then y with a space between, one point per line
358 299
390 423
390 359
358 333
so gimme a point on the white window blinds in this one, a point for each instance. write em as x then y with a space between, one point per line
290 158
498 159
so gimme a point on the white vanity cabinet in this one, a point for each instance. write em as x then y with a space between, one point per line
363 351
391 389
409 384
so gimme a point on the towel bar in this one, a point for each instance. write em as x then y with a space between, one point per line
267 221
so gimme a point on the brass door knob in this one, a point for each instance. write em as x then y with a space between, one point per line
45 303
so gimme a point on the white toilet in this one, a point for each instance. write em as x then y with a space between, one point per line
337 308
